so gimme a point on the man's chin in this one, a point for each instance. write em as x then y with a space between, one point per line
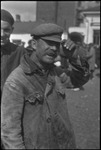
48 61
3 43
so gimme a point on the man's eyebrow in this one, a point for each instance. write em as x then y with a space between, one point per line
52 42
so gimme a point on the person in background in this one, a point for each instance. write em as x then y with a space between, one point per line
64 61
78 39
10 53
97 54
34 113
91 59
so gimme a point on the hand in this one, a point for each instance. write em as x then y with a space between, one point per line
67 48
68 44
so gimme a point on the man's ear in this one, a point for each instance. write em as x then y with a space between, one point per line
34 44
12 30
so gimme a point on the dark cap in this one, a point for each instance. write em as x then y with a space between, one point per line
6 16
76 37
48 31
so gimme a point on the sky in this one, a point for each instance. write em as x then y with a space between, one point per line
26 10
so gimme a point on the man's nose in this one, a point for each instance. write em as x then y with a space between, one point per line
53 47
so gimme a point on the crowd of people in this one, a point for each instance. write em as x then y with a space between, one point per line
34 113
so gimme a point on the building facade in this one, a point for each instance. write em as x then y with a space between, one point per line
89 25
80 16
77 16
59 12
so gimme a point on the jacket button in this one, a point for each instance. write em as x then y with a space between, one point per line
48 120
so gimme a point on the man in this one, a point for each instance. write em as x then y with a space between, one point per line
78 39
34 111
10 53
91 59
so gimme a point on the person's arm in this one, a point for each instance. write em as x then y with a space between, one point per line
79 67
11 113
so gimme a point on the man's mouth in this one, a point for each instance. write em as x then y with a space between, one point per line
53 55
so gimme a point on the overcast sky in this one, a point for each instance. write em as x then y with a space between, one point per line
27 9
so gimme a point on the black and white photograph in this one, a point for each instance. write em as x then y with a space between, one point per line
50 75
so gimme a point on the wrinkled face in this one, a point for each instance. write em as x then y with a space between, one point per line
47 51
6 30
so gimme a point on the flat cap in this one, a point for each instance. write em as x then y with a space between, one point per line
48 31
6 16
76 36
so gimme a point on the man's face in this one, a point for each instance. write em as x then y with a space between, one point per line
47 51
6 30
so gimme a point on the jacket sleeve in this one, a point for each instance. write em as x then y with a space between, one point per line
79 74
11 113
78 71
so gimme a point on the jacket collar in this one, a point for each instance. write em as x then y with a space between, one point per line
8 48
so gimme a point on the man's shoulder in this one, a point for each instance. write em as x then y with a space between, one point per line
15 80
16 74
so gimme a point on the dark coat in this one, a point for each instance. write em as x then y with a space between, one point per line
34 112
10 59
91 58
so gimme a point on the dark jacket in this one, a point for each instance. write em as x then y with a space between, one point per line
10 59
34 107
91 58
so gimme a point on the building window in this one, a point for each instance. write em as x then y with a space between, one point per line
96 37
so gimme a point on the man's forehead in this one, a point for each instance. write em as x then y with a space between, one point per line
50 41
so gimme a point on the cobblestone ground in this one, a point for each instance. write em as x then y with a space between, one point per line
84 111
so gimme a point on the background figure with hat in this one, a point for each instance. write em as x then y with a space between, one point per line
10 53
78 39
34 112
